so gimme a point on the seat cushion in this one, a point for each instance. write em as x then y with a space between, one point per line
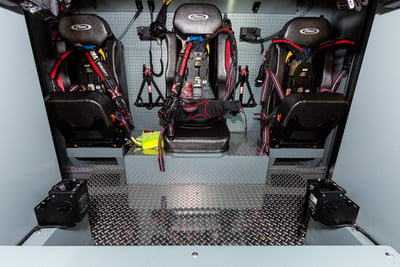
305 120
84 118
212 137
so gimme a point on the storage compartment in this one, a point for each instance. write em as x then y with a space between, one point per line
232 198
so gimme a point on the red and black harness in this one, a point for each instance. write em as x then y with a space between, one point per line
110 85
178 108
303 54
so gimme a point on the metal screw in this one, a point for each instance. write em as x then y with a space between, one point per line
195 255
389 255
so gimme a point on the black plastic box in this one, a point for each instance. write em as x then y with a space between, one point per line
67 204
330 206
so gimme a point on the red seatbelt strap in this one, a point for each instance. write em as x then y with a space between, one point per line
55 69
276 84
265 141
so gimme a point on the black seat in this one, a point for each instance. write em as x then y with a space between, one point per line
210 137
299 104
304 120
89 103
206 75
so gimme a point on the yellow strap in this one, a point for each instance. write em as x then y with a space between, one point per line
103 55
288 56
167 2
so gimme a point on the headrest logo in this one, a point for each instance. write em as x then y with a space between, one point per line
198 16
309 31
81 27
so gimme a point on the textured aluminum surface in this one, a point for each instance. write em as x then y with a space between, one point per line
196 214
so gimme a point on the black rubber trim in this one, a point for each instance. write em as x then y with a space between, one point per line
354 74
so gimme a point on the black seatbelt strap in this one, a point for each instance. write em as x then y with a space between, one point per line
336 45
123 114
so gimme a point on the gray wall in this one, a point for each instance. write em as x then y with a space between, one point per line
28 161
368 160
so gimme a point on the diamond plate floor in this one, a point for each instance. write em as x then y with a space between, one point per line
268 214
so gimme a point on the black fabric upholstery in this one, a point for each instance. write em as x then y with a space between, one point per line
302 119
83 113
84 118
211 137
173 47
84 29
312 110
307 32
220 65
307 119
197 19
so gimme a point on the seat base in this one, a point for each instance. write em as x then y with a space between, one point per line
305 120
211 137
84 119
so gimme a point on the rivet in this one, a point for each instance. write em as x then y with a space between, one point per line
389 255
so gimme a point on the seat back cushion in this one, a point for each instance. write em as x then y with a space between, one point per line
84 29
197 19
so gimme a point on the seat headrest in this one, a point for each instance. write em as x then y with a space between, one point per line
84 29
197 19
307 32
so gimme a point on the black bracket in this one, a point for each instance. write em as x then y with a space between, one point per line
244 80
256 7
249 34
145 33
148 78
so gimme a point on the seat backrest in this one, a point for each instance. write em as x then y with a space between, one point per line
306 34
207 64
301 66
84 29
89 30
89 104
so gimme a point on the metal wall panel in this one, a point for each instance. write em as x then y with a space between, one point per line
239 6
27 159
368 159
301 256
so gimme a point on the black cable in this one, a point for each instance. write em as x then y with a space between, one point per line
151 61
262 40
151 15
37 228
359 229
151 8
130 24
